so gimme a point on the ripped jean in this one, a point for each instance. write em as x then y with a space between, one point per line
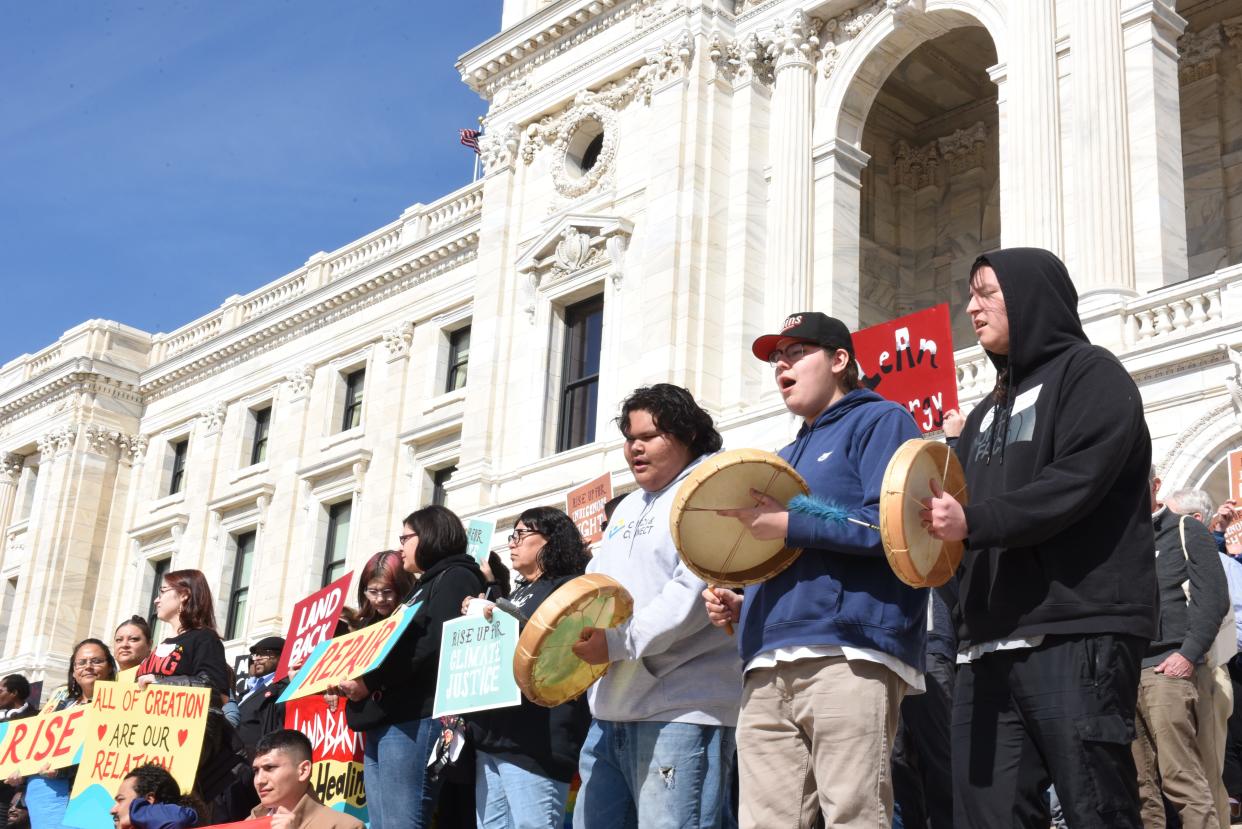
654 775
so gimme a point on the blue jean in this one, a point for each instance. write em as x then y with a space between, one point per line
400 793
654 774
507 796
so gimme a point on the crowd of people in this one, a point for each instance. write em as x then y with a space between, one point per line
1080 667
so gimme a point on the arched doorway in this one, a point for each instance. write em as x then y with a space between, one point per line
929 200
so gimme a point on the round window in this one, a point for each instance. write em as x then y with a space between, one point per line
582 152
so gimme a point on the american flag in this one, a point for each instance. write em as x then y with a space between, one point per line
470 138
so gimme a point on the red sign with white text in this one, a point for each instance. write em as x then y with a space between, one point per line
909 360
336 774
585 505
313 621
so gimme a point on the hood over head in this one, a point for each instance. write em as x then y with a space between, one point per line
1042 305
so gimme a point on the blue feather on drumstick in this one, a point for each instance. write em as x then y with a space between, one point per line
825 511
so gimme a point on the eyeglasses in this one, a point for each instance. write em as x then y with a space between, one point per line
82 663
516 536
379 594
404 537
165 589
791 353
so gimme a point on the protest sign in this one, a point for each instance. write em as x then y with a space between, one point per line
1233 537
909 360
54 739
476 665
479 538
585 505
127 727
349 656
337 756
1235 475
313 621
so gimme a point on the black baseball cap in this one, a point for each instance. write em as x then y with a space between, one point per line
269 643
808 326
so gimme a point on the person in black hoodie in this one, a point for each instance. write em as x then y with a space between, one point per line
1058 588
392 704
526 759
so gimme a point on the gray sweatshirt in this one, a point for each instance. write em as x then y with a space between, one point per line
668 663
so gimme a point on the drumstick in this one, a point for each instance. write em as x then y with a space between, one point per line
728 626
512 609
809 505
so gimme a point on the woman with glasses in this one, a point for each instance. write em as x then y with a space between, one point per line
392 704
47 794
131 643
382 585
194 656
525 759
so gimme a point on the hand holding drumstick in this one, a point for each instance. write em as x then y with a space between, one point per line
942 515
724 607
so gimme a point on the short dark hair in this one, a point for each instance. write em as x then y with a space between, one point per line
154 780
17 685
197 610
563 553
440 534
293 743
674 411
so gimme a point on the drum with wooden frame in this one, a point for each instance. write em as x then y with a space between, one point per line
544 665
916 557
718 549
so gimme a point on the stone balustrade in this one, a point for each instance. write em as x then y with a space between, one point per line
366 250
273 296
456 207
167 346
1176 311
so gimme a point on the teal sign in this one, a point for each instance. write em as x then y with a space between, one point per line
479 538
476 665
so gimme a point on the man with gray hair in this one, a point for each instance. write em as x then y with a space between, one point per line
1216 693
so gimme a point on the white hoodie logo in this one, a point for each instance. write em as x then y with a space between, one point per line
823 457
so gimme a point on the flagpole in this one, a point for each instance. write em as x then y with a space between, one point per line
477 154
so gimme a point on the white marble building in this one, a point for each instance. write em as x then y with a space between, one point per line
663 180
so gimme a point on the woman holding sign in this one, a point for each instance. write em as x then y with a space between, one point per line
392 704
527 758
47 795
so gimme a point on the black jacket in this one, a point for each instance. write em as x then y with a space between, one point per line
539 739
1186 627
261 714
1059 515
403 687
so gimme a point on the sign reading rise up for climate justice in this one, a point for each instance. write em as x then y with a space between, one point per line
127 727
476 665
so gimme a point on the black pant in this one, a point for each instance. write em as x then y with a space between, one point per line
1233 739
1060 713
922 782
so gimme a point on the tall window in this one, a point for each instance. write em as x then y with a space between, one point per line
439 480
584 326
161 568
352 416
239 592
337 543
262 424
459 358
177 480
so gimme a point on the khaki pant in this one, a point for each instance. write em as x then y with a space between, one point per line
817 734
1166 752
1213 710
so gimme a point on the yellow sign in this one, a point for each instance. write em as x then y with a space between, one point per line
129 726
53 739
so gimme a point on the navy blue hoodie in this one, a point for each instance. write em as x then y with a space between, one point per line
841 591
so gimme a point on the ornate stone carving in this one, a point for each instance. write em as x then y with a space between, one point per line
1233 383
133 447
498 147
99 440
1233 31
397 340
213 416
574 244
739 60
11 467
964 149
57 441
573 252
840 30
1197 53
915 167
299 381
795 41
651 12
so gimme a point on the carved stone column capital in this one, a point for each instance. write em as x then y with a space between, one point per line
397 340
299 381
213 416
1197 53
11 467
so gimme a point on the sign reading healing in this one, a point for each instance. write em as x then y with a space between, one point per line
476 665
336 774
479 538
349 656
909 360
313 621
585 506
54 740
128 726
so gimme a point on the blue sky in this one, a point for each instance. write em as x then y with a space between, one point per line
158 156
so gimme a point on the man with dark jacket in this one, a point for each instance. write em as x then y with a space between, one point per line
1058 591
260 713
1193 600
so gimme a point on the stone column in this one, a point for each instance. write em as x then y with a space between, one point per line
788 261
1104 260
1150 30
10 474
838 168
1030 141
